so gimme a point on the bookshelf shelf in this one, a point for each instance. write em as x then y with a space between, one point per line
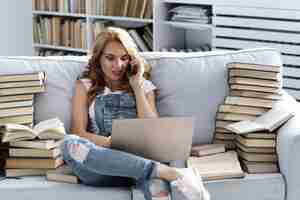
120 18
54 47
51 13
190 1
188 25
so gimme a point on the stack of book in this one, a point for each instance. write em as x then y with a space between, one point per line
124 8
16 101
62 174
64 6
194 14
253 91
143 38
33 151
60 31
256 140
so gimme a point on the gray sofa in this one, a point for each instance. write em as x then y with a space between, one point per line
191 84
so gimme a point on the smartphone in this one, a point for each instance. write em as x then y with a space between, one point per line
130 70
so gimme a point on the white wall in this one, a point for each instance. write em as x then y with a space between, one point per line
16 28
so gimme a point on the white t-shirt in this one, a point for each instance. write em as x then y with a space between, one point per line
148 86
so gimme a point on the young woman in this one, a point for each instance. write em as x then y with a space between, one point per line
106 92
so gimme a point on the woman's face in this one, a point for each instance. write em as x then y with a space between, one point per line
114 61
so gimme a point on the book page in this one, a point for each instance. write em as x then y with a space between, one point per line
244 127
17 136
16 132
16 127
274 118
47 124
53 133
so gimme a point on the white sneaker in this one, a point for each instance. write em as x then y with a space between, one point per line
190 185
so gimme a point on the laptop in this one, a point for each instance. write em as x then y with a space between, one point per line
161 139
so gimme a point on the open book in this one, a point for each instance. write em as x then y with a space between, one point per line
217 166
268 121
48 129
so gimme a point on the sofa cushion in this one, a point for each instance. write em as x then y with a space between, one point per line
37 188
61 76
195 84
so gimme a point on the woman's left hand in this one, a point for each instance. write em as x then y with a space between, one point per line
137 80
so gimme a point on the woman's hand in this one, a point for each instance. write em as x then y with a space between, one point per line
108 142
137 80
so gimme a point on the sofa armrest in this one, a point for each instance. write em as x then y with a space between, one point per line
288 149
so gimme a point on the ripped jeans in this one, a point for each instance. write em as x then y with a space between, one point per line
100 166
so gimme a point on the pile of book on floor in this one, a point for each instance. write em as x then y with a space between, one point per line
256 140
213 162
254 89
194 14
16 101
33 151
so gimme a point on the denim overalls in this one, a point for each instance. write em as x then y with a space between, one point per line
100 166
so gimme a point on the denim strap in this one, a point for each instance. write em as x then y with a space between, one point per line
144 182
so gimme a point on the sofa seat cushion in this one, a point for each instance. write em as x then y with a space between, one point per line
38 188
252 186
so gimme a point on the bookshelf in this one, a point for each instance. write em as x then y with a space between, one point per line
234 25
239 25
69 27
184 35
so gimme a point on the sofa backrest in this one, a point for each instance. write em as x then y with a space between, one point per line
192 84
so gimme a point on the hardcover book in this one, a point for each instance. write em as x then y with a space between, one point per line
62 174
207 149
250 66
269 121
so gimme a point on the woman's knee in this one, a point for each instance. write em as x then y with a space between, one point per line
75 148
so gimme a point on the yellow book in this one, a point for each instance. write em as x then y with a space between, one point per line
244 101
36 144
255 142
254 74
25 172
33 163
207 149
35 76
236 109
34 153
255 81
255 94
257 157
62 174
250 66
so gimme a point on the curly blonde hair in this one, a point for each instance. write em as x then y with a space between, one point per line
94 71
